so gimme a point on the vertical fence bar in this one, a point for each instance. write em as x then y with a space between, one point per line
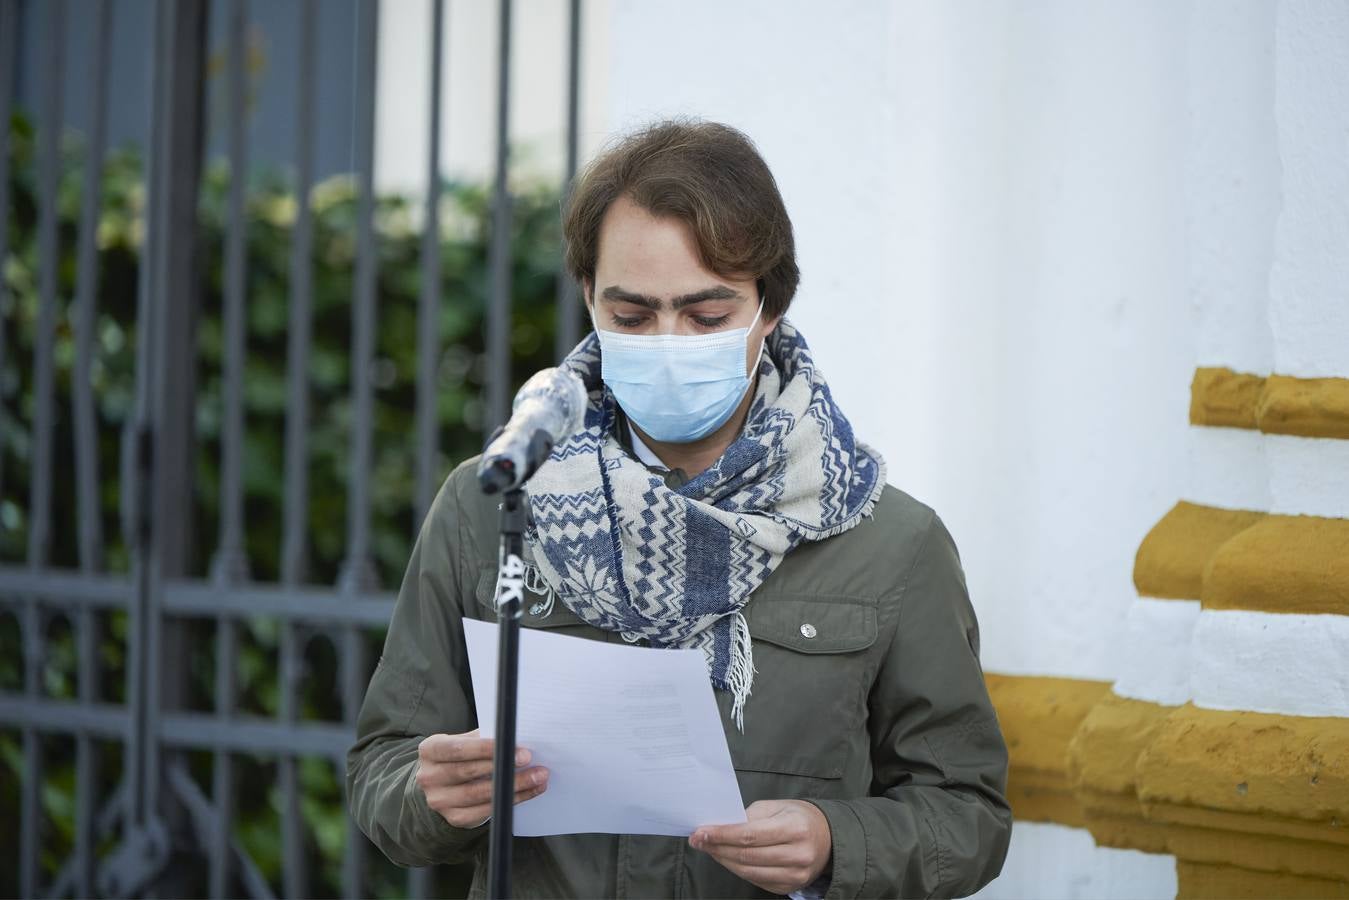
167 456
179 295
294 553
88 508
138 439
294 873
86 290
30 809
499 251
9 27
428 307
170 457
39 511
428 331
353 677
230 564
150 453
357 570
568 312
223 780
86 757
294 559
49 167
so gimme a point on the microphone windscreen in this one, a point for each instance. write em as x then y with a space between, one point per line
548 410
553 400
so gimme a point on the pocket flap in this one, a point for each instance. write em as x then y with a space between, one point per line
812 625
559 617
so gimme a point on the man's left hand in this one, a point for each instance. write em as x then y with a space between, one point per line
783 847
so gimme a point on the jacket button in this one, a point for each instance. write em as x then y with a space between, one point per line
808 630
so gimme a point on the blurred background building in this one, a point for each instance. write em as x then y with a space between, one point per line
1077 269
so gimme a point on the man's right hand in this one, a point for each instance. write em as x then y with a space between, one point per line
454 772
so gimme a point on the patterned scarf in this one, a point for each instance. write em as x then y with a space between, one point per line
628 554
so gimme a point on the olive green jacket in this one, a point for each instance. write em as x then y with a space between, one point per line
877 714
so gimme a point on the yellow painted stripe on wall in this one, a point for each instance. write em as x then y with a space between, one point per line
1171 561
1102 767
1286 564
1236 559
1311 407
1204 880
1257 772
1039 717
1223 398
1106 747
1278 404
1254 791
1220 844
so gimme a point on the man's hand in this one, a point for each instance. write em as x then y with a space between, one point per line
454 772
783 847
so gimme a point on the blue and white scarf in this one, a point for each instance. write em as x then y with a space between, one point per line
628 554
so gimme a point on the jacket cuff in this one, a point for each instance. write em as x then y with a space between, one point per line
849 841
450 839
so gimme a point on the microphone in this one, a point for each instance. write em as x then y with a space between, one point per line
549 409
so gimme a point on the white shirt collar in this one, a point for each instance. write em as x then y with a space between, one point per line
645 454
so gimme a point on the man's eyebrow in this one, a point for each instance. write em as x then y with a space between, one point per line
720 292
619 295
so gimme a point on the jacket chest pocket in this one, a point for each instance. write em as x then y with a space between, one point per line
808 702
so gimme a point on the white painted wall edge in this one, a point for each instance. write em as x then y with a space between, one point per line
1055 862
1228 468
1308 476
1285 663
1238 468
1156 665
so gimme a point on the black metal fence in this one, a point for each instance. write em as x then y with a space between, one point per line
123 841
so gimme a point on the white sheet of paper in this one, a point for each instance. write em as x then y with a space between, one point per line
630 736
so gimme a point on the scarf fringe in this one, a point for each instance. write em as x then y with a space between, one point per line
740 675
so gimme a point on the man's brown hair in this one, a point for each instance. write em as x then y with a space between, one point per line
707 175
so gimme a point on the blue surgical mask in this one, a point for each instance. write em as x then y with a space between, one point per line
677 387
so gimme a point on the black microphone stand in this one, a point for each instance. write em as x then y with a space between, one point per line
509 604
501 475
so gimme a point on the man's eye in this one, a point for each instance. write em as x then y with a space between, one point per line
627 321
711 321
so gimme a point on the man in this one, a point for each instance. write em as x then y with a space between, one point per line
717 499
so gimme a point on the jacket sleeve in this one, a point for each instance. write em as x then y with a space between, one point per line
937 822
421 686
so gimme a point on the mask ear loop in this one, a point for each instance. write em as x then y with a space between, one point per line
754 369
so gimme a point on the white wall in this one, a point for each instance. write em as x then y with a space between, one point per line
1270 194
990 208
1309 282
1051 862
1232 182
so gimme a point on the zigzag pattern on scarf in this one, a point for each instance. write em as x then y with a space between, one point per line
661 567
834 468
576 448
